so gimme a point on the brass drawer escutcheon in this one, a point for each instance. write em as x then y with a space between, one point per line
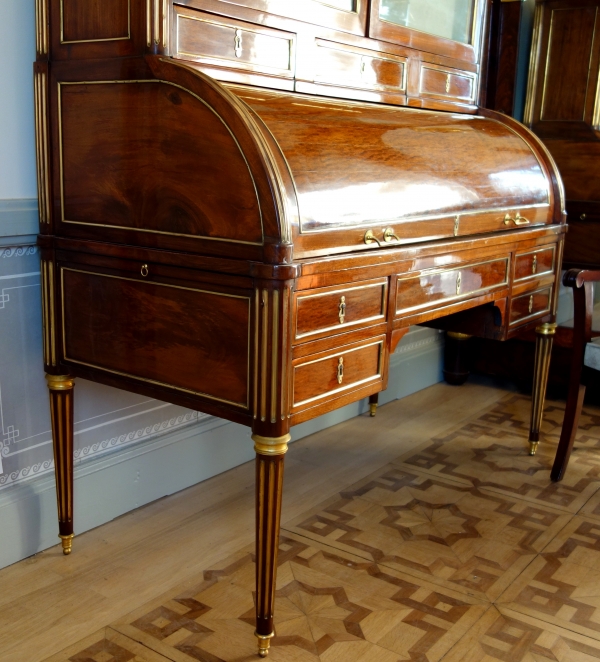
238 43
342 309
144 270
458 282
534 264
340 370
531 304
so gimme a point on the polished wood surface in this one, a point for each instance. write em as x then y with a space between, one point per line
216 238
563 109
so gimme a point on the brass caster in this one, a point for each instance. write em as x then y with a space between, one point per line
533 447
67 543
372 409
264 641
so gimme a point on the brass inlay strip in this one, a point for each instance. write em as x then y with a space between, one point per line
284 356
148 23
260 516
156 22
41 25
89 41
256 347
144 379
265 346
46 326
534 64
52 313
125 227
274 356
41 142
165 23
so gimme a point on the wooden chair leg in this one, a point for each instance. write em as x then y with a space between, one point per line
569 430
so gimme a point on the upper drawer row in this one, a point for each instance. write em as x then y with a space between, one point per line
230 45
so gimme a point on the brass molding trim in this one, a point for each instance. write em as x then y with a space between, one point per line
48 312
284 356
274 356
264 355
271 445
245 405
124 227
89 41
458 336
60 382
257 300
41 23
42 145
534 65
548 329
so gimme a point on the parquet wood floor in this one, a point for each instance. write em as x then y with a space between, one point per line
426 534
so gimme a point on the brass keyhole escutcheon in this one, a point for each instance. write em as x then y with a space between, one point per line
447 83
534 265
238 43
456 225
144 270
342 309
458 282
531 304
340 370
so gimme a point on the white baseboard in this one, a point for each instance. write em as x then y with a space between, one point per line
114 484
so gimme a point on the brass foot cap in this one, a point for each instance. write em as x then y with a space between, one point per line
264 641
372 409
533 447
67 543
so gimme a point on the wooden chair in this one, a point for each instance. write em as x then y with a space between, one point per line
586 356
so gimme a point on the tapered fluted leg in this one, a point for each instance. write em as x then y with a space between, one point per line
373 401
543 350
61 410
269 488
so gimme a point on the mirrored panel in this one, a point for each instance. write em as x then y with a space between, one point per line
346 5
452 19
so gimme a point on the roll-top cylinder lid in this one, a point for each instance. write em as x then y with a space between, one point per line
356 166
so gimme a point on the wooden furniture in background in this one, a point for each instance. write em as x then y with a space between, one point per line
586 356
563 109
244 208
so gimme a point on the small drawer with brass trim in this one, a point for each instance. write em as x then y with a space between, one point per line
331 310
348 66
451 84
327 375
530 305
227 42
437 285
535 263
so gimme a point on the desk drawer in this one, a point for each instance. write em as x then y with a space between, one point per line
435 286
530 305
331 310
435 81
341 65
235 44
534 263
326 375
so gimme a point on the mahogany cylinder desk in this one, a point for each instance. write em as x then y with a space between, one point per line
245 204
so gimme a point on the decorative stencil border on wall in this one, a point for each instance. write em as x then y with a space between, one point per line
105 419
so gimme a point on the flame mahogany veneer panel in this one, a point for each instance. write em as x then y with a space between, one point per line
150 156
178 336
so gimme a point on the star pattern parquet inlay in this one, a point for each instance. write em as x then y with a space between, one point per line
461 550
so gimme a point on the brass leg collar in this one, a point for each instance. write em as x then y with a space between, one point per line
67 543
533 447
372 409
271 445
264 642
548 329
60 382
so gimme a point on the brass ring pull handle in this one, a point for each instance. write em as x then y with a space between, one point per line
144 270
517 220
342 309
389 235
340 370
370 238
